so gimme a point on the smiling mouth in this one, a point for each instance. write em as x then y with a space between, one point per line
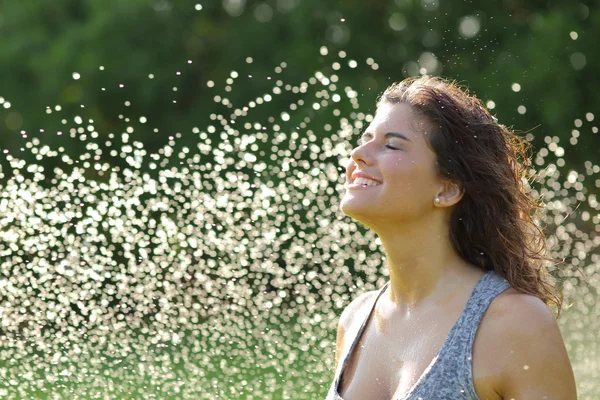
359 186
365 182
361 183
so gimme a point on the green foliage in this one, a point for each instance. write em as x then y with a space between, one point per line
43 43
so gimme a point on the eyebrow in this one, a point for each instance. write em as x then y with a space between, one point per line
387 135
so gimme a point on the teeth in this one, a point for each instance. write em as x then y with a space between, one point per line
363 181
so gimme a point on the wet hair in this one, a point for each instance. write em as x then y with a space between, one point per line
493 226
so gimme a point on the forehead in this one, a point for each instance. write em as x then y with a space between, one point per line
399 118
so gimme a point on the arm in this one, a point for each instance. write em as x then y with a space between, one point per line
535 363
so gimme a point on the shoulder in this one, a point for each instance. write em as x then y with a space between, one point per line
524 349
356 307
348 324
519 317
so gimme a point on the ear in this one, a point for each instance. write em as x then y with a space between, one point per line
450 193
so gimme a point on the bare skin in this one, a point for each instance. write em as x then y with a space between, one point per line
518 350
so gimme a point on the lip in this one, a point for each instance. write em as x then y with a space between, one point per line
353 186
360 174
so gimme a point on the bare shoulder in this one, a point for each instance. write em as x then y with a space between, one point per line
519 342
355 307
354 312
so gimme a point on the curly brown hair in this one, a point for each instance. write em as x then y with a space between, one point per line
493 225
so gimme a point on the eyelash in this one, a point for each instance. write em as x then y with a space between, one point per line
388 146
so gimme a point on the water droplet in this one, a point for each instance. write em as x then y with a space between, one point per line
469 26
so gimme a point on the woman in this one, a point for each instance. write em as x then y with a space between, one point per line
465 313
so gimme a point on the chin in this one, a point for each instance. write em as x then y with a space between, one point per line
355 210
346 208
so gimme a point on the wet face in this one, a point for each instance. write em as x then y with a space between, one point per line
392 151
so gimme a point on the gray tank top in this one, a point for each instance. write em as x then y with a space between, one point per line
449 376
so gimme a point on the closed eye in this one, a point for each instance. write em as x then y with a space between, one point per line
360 143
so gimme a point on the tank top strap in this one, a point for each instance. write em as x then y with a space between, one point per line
490 286
346 355
457 356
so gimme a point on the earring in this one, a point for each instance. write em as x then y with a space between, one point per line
437 200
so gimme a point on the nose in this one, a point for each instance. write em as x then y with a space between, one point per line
360 153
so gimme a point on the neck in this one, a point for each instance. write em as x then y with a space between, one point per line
423 265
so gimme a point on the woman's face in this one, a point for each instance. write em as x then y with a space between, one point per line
393 151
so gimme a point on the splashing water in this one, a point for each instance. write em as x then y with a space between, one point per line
221 271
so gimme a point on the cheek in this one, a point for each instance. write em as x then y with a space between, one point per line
406 169
410 176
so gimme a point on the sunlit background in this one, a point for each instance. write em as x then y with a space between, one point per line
171 172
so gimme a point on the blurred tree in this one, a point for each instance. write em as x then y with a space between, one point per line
116 61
